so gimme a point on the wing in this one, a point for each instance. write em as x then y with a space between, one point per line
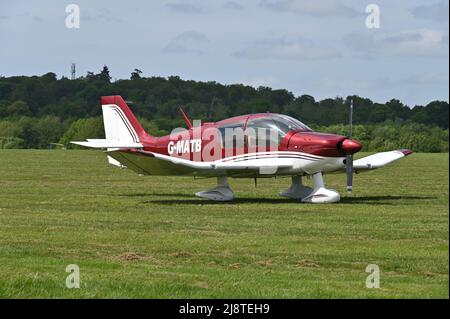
378 160
151 163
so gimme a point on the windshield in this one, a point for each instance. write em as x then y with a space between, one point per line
277 123
286 123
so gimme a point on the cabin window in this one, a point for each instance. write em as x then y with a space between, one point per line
263 133
232 135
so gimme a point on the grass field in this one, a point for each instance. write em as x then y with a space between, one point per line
149 237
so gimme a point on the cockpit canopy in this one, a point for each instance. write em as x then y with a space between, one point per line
274 127
282 124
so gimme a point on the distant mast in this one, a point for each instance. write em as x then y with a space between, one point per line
72 71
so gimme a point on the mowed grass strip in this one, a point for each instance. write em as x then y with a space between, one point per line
150 237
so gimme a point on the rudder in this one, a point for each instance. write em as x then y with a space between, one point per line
119 122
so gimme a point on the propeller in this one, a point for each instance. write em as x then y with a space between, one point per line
349 157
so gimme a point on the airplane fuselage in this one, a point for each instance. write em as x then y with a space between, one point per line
294 151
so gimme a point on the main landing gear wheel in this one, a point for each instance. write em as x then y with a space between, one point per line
222 192
297 190
318 194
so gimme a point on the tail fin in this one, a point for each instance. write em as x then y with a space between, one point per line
120 123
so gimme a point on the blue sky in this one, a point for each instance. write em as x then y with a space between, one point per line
322 48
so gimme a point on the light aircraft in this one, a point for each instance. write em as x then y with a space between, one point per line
246 146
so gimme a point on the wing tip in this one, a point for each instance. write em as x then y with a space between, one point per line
406 152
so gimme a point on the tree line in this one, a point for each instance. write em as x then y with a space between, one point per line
38 110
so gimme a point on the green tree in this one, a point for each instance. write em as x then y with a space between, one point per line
18 108
104 74
136 74
48 130
82 129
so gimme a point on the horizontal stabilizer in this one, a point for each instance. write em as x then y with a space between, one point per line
97 143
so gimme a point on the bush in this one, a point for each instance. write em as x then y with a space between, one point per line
11 142
82 129
390 136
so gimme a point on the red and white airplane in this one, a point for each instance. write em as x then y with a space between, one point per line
247 146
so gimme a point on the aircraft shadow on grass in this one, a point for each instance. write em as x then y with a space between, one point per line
181 198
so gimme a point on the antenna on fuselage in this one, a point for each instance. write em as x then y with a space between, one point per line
185 117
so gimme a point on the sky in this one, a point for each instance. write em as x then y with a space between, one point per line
318 47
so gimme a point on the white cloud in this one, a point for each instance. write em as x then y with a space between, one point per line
419 43
286 48
232 5
440 78
435 12
323 8
187 42
186 8
102 15
384 83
